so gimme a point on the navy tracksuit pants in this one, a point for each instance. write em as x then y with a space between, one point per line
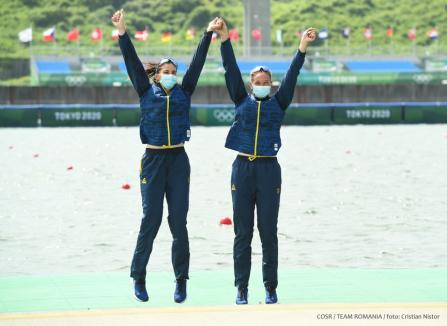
255 183
163 172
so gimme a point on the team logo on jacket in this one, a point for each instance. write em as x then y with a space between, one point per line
233 187
275 147
143 181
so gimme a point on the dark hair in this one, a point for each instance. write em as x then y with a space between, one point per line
151 69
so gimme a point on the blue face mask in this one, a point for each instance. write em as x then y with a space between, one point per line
168 81
261 91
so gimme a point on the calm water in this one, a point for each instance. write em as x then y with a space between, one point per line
362 196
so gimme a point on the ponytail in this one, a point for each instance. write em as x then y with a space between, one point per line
151 69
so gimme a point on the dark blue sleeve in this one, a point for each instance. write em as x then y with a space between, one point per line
192 74
284 95
233 77
135 69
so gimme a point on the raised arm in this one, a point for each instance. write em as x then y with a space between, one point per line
284 95
192 74
134 67
233 76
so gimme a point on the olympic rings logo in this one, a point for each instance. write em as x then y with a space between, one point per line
224 115
75 80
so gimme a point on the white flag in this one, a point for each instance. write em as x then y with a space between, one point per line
279 35
323 34
26 35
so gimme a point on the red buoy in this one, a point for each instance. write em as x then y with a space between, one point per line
70 167
225 221
126 186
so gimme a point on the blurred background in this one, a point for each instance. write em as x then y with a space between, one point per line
66 52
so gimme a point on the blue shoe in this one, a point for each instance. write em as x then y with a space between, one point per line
270 295
242 296
180 291
140 290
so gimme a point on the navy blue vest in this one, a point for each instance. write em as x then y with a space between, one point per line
165 119
256 127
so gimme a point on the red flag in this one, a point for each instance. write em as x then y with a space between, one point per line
390 32
96 34
412 34
73 35
141 35
233 34
115 34
256 34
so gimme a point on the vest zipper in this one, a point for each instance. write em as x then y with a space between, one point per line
167 121
257 131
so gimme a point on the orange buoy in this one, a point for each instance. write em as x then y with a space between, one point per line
225 221
125 186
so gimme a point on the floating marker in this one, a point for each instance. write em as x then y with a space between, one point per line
36 155
11 147
348 152
70 167
125 186
225 221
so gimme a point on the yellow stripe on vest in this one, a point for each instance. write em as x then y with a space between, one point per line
254 156
167 122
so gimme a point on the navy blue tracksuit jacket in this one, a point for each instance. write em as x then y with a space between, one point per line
256 179
164 172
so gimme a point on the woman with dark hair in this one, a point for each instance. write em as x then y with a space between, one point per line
256 173
165 169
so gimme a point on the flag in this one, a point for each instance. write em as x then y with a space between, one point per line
256 34
233 34
279 36
323 34
367 33
166 37
214 37
26 35
345 31
433 33
96 34
73 35
50 34
412 34
190 34
390 31
115 34
141 35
